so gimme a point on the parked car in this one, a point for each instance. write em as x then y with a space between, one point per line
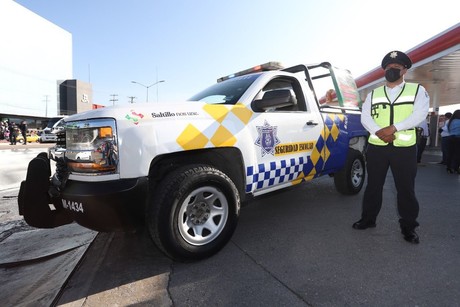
31 138
49 133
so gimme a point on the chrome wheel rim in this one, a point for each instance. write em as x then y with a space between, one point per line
203 215
357 172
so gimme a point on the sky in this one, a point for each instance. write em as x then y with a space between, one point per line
189 44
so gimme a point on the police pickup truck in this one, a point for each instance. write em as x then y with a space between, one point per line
182 170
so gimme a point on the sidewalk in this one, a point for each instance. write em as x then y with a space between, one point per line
4 144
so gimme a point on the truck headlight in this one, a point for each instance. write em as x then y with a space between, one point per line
91 146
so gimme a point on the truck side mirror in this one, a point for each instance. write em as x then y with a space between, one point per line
274 99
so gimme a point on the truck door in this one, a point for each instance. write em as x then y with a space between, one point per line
336 93
285 139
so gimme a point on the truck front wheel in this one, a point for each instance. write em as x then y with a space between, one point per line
351 177
193 213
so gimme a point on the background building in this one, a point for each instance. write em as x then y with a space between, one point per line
75 96
35 58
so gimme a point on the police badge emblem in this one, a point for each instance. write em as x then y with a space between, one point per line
267 139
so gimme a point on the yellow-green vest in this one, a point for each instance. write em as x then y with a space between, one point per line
386 113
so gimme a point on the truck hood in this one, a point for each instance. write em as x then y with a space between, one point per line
142 110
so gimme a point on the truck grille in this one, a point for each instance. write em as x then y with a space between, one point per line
60 142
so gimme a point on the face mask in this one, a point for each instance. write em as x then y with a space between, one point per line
392 74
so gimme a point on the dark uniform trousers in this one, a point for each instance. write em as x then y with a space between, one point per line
403 164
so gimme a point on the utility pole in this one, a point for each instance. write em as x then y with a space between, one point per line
131 98
46 108
114 99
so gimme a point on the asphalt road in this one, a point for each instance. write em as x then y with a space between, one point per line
293 248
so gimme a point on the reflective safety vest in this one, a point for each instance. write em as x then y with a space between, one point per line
386 113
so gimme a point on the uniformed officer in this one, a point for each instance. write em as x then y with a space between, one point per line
390 113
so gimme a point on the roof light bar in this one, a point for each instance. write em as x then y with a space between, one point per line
258 68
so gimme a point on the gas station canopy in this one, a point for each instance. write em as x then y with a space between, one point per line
436 66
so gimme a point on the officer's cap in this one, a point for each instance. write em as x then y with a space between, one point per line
397 57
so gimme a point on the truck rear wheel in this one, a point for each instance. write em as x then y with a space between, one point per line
350 179
193 213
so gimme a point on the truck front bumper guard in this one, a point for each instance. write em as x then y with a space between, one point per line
101 206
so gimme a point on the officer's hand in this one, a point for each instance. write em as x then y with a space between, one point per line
389 130
388 138
387 134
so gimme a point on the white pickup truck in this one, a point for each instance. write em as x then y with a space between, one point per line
48 134
182 170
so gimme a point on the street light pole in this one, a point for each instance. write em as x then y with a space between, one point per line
46 108
148 86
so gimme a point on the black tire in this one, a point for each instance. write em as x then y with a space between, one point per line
350 179
193 213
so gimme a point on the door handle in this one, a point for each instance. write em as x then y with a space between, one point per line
311 123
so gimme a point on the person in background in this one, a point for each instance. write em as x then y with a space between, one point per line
12 131
390 113
23 128
3 129
421 142
445 138
453 163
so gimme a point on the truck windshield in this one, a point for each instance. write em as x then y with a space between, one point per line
51 121
226 92
59 125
